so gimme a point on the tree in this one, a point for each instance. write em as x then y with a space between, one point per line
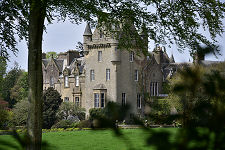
51 103
5 114
3 66
177 21
9 82
20 113
20 89
51 54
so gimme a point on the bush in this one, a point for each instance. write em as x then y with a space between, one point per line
69 111
52 101
5 118
62 124
20 113
84 124
65 124
95 113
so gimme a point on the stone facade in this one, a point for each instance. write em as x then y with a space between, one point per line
105 73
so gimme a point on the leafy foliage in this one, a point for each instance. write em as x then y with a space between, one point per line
176 21
68 111
20 89
51 54
160 111
5 118
52 101
20 113
3 66
8 83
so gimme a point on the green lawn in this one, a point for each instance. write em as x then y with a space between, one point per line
95 140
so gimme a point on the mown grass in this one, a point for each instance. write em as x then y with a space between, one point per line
96 140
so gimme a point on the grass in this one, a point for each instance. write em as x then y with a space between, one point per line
95 140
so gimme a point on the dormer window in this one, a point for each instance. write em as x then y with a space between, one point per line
66 81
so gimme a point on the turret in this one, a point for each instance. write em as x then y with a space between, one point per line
87 36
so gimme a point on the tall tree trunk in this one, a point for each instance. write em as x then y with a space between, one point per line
36 25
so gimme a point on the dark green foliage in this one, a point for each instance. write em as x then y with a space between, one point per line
165 87
3 66
9 82
95 112
20 113
52 101
84 124
20 89
160 110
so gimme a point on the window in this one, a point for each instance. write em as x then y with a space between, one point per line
107 74
99 56
138 101
76 80
115 48
77 101
131 56
66 99
101 34
154 91
102 100
92 75
99 100
96 100
123 99
136 75
66 81
51 81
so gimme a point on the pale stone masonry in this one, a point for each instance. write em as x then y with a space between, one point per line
105 73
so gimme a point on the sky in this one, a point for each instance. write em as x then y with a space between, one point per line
63 36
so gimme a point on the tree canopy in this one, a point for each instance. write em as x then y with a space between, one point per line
164 21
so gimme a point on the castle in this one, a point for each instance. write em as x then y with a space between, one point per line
105 73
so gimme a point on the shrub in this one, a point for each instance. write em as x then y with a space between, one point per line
52 101
69 111
62 124
84 124
5 118
20 113
96 113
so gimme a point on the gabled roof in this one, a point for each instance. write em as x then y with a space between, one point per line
59 63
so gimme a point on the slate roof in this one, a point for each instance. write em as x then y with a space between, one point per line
87 30
45 62
59 63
